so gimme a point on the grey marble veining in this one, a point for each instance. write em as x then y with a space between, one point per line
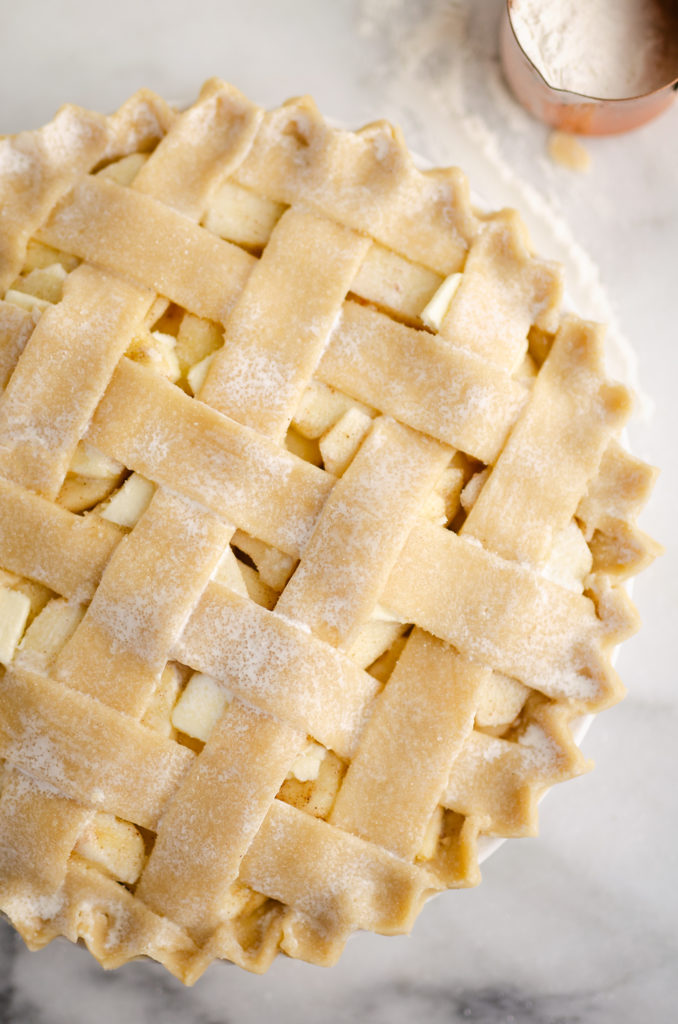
578 926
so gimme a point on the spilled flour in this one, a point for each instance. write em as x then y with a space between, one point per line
437 74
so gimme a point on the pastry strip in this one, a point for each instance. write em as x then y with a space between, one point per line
16 326
36 169
554 449
280 325
62 373
503 291
336 881
395 284
502 614
30 811
73 550
419 723
278 667
364 524
119 650
151 426
205 144
422 381
214 816
87 751
122 229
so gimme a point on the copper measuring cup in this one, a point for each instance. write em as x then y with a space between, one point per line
571 111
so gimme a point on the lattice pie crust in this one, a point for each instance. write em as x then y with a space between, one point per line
312 520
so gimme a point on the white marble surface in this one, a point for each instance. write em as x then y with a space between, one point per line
578 926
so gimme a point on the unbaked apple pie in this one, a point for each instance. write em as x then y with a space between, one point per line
313 520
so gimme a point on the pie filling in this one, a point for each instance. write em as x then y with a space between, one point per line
313 520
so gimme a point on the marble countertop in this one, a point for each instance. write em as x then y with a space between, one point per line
579 925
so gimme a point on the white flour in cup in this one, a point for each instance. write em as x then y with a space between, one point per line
608 49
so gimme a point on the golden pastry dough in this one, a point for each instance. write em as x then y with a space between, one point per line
285 424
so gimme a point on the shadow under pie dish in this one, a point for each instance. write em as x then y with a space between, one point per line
313 520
